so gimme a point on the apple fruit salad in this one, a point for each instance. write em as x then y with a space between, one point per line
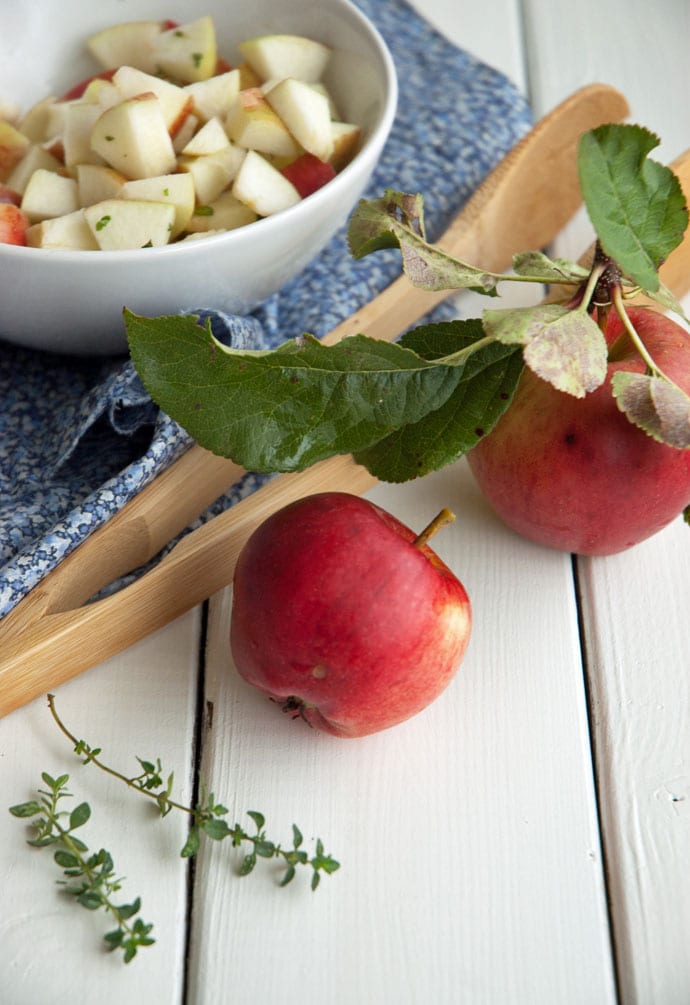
574 414
167 142
345 616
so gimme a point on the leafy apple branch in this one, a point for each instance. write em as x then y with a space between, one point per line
91 878
413 406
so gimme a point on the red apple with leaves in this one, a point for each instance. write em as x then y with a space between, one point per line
346 617
576 474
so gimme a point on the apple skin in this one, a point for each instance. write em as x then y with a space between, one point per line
13 224
77 90
308 174
338 615
574 473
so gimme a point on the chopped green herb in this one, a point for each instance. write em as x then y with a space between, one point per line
103 222
196 58
204 211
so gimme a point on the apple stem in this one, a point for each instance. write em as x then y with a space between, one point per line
633 334
441 519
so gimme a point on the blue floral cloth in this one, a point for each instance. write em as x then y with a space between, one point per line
79 438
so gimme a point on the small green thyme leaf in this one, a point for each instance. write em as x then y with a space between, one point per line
103 222
89 878
30 809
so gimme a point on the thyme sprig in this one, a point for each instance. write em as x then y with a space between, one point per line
207 817
89 877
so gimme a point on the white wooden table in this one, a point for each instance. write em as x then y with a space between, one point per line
525 840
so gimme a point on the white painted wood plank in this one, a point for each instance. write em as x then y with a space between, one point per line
634 46
638 647
633 604
468 838
141 703
500 898
493 34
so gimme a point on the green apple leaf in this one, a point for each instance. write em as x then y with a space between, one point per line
636 205
539 267
397 219
667 300
656 405
484 391
287 408
564 347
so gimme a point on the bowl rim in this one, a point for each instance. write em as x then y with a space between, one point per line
371 147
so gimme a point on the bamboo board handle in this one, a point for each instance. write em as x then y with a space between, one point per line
49 637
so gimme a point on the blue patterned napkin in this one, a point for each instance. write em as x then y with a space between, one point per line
79 438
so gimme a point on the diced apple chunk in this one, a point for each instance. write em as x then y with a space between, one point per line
177 189
346 139
133 138
262 187
208 140
13 146
213 173
214 97
76 134
306 114
120 224
69 233
13 224
132 43
175 102
255 125
185 132
279 56
225 213
101 92
49 194
35 157
96 182
35 122
188 52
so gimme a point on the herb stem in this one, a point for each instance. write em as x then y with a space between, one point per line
132 783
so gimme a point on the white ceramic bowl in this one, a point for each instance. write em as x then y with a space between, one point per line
71 301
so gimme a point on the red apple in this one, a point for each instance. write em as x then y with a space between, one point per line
574 473
13 224
341 614
307 173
